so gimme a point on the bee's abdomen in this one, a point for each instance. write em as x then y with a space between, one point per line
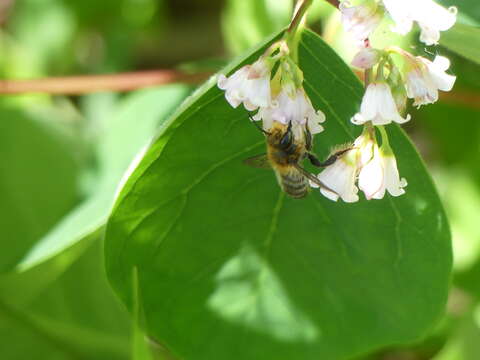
294 184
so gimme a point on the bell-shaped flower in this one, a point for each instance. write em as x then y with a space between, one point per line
424 78
366 58
378 106
342 174
392 181
371 176
360 20
292 105
431 17
380 174
341 177
249 85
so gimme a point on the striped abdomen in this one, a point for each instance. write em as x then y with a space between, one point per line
293 183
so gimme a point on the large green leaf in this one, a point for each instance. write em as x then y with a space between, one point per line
464 40
132 126
75 317
230 268
37 181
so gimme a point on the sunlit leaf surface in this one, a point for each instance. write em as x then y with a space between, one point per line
231 268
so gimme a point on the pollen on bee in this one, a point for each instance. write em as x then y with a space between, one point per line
340 148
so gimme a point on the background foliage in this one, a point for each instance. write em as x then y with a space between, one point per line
63 158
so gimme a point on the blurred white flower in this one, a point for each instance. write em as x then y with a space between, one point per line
291 105
431 17
424 78
249 85
378 106
366 58
360 20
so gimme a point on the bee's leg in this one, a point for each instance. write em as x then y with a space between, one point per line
331 159
255 123
308 138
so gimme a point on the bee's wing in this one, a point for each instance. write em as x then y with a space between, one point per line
258 161
313 178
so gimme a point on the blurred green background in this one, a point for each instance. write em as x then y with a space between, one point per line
63 159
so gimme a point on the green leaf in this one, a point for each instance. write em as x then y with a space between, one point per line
132 126
37 182
230 268
464 40
75 317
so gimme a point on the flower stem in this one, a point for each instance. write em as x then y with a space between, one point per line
292 35
301 9
386 149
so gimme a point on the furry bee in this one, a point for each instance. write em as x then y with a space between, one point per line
285 153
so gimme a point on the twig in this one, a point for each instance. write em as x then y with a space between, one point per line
75 85
465 98
335 3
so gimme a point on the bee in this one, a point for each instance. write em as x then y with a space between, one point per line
285 154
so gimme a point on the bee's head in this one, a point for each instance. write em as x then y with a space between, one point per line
281 136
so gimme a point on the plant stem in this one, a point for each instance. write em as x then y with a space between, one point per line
335 3
75 85
301 9
292 35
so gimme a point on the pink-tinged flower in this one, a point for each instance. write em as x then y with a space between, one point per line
360 20
425 78
249 85
366 58
292 105
378 106
431 17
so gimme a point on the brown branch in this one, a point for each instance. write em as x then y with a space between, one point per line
75 85
335 3
461 97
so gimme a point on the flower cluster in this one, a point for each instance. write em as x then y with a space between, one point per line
374 167
392 75
361 20
279 98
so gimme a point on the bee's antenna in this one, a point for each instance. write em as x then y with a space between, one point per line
257 126
430 52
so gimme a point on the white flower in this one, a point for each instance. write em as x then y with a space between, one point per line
381 174
292 105
378 106
342 174
360 20
392 181
340 177
366 58
425 78
250 84
376 169
431 17
371 177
